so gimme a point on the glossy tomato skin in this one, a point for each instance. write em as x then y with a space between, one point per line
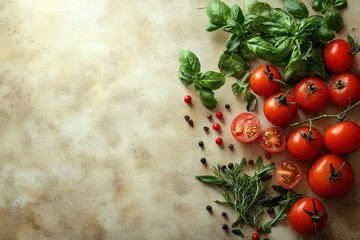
288 174
245 127
337 57
301 222
302 147
264 80
322 184
311 94
342 138
273 139
279 113
344 89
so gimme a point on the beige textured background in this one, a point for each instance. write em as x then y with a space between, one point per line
92 137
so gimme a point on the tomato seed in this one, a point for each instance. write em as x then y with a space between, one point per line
203 160
225 227
187 117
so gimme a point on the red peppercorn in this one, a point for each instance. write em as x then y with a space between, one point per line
258 230
251 162
216 127
187 99
218 140
255 236
267 155
219 115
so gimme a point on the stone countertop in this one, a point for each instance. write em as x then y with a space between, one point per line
92 136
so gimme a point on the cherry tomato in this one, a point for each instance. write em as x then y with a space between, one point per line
342 138
219 115
218 140
311 94
344 89
304 144
288 174
245 127
337 56
187 99
331 176
216 127
273 139
280 108
265 80
308 216
255 236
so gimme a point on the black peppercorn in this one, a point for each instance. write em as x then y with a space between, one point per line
209 116
270 210
230 146
223 168
208 208
206 129
201 143
224 214
230 165
227 106
187 117
190 122
225 227
203 160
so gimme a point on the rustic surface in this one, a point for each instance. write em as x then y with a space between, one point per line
92 136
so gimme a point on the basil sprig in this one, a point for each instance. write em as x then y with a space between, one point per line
330 9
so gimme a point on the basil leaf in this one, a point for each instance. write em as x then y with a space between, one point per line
274 28
259 164
218 13
189 66
207 98
351 41
296 8
333 19
339 4
308 25
257 8
208 179
231 64
323 33
250 100
236 14
212 80
280 189
317 5
241 85
316 65
239 233
295 69
266 51
233 42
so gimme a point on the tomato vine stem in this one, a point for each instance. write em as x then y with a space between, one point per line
340 116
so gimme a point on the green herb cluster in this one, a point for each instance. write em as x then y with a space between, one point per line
330 9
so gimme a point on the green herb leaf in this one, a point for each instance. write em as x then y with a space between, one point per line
189 66
212 80
295 69
317 5
207 98
251 101
233 42
280 189
210 180
231 64
239 233
309 24
236 14
339 4
323 33
334 19
241 85
296 8
218 13
316 65
351 41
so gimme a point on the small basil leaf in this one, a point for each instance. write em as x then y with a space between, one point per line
207 98
317 5
308 25
257 8
296 8
233 42
231 64
295 69
210 180
236 14
351 41
339 4
211 27
334 19
259 164
189 66
280 189
316 65
239 233
218 13
323 33
212 80
241 85
250 100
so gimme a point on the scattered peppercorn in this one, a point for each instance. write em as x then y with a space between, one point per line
255 236
223 214
218 140
203 160
219 115
187 117
216 126
230 165
201 143
230 146
225 227
209 116
190 122
206 129
258 230
270 210
227 106
187 99
208 208
251 162
223 168
267 155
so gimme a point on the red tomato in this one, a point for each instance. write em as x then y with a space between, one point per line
311 94
288 174
265 80
273 139
344 89
245 127
342 138
307 216
305 145
337 56
280 108
331 176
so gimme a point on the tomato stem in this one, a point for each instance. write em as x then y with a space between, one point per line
340 116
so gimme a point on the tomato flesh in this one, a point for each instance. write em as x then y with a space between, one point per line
288 174
245 127
273 140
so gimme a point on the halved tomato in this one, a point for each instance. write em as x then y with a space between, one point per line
288 174
245 127
273 139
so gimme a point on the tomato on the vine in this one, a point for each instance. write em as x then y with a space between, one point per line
265 80
280 108
273 139
311 94
342 138
344 89
288 174
245 127
305 144
308 216
338 56
331 176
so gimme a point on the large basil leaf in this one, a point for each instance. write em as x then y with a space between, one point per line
207 98
316 65
233 42
218 13
333 19
212 80
309 24
273 28
257 8
231 64
236 14
339 4
296 8
295 69
323 32
189 66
